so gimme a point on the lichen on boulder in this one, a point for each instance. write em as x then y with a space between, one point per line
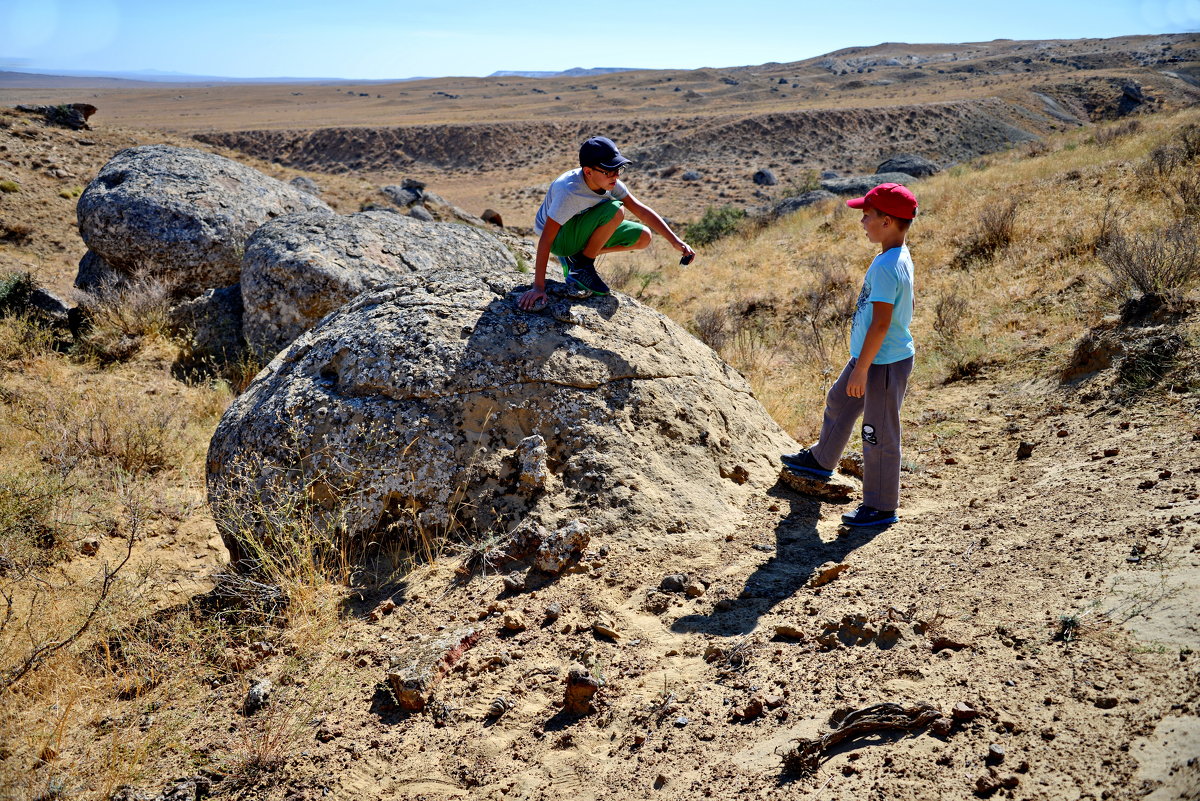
406 410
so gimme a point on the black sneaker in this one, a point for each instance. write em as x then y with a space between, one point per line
583 276
802 461
869 516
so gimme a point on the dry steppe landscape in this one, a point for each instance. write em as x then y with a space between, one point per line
1032 617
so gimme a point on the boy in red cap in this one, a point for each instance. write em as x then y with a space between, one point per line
582 218
881 358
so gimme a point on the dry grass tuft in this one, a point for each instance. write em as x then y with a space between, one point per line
122 318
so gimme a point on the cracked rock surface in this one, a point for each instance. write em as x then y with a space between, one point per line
406 408
178 214
299 268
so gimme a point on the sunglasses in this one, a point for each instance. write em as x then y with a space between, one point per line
611 173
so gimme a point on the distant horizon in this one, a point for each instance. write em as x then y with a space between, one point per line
375 40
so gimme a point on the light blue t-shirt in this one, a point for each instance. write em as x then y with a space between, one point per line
569 195
889 279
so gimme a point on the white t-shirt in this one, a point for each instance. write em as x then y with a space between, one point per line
569 195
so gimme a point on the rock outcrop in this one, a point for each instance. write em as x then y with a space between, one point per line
299 268
861 184
404 412
910 164
179 215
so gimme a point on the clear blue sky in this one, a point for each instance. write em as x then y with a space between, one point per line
398 39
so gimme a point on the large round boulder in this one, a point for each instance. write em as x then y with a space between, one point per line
299 268
435 405
180 215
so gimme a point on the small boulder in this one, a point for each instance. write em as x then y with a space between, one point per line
492 217
790 205
765 177
861 184
306 184
910 164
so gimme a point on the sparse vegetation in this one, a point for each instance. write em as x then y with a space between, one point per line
1165 262
992 233
715 224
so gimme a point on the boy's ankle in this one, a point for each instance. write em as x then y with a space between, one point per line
582 260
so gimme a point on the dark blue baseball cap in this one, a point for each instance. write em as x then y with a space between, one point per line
599 151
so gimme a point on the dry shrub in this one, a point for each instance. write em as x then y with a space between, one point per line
948 313
993 232
1107 134
22 340
1183 193
121 317
1165 262
130 434
31 524
711 325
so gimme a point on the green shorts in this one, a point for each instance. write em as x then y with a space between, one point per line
575 233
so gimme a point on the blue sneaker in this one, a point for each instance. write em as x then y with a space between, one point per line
869 516
583 276
802 461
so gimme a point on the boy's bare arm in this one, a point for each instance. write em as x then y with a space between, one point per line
655 223
881 319
540 260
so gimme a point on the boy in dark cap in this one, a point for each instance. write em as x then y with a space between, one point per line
582 218
881 359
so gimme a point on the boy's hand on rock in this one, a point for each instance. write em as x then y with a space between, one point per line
533 300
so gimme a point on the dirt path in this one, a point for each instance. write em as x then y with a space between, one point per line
1052 598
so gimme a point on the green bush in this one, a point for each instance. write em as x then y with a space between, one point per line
9 186
15 289
715 224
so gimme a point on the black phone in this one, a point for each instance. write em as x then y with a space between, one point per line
686 260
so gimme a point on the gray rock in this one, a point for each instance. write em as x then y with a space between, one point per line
421 213
765 177
94 274
180 215
828 489
676 582
211 324
691 175
793 204
306 184
401 196
861 184
416 669
258 696
558 548
414 184
408 400
299 268
531 458
910 164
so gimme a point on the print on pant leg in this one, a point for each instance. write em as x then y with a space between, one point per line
868 434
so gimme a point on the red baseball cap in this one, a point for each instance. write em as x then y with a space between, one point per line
893 199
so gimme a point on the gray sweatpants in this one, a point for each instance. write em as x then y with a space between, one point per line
880 410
